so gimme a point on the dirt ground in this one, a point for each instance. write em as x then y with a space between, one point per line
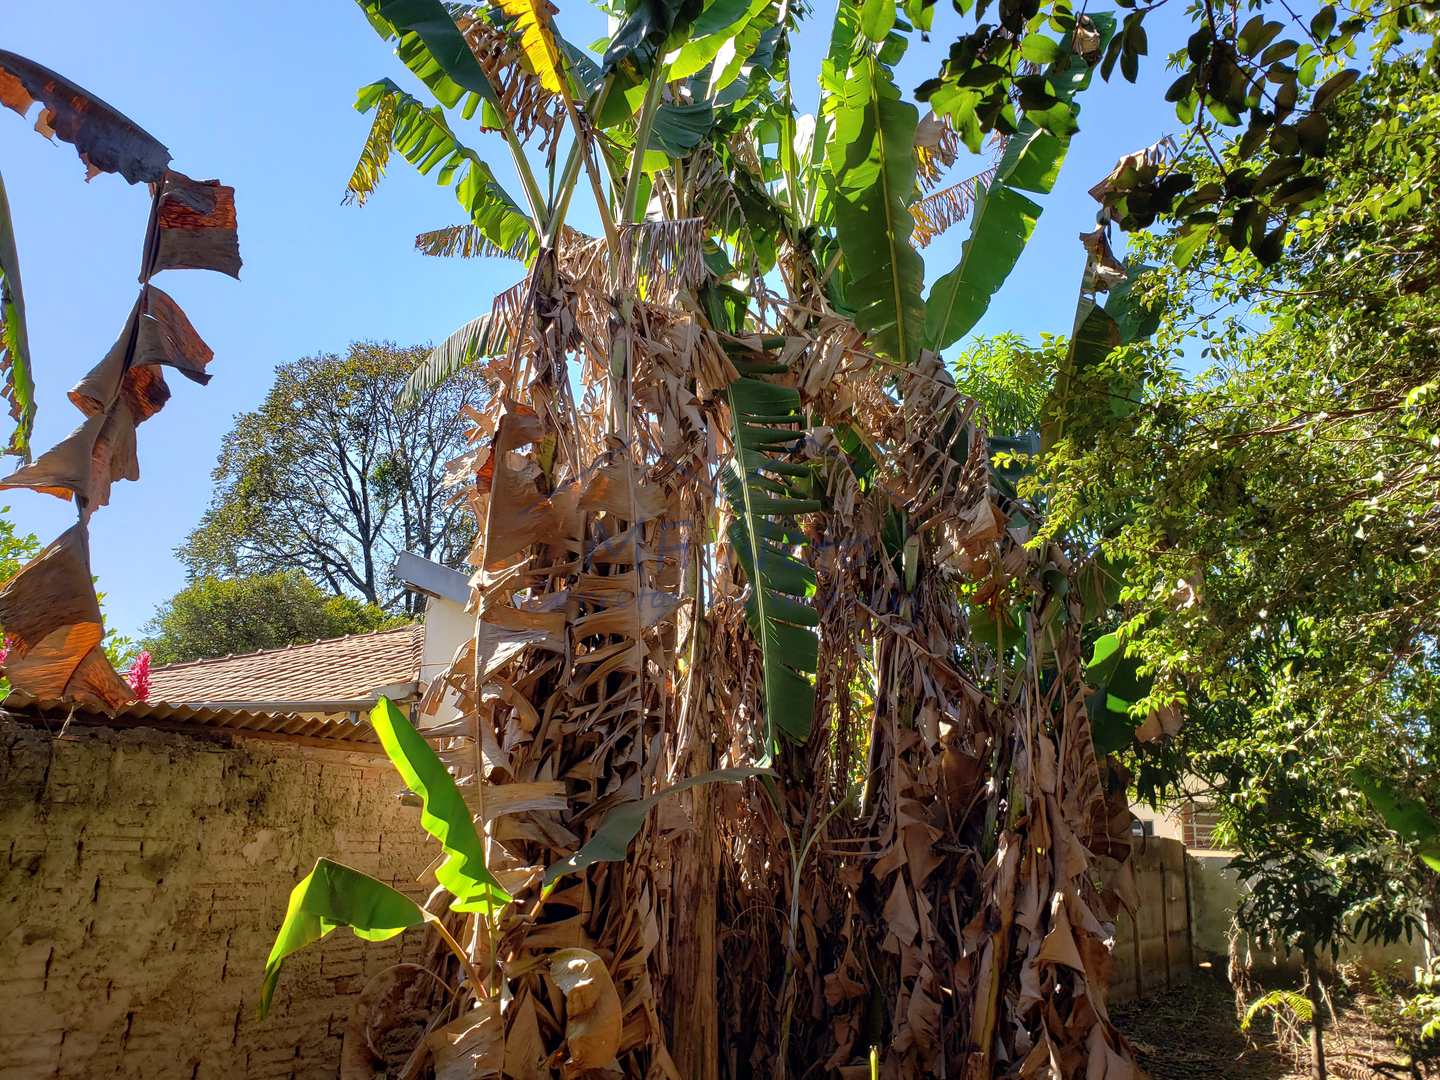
1191 1033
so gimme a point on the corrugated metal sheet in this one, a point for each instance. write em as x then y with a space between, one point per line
339 731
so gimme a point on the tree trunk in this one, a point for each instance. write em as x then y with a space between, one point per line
1317 1020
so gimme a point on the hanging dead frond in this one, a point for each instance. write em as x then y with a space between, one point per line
937 146
947 207
49 608
662 258
530 104
467 242
374 153
1157 153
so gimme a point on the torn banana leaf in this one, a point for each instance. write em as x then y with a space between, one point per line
480 337
443 813
763 492
330 896
424 137
106 139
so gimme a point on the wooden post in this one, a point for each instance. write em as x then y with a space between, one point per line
1135 947
1165 918
1189 912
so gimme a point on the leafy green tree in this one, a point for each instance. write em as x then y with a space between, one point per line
1009 379
1276 516
16 549
329 478
219 616
1279 510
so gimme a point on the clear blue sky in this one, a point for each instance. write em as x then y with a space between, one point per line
260 95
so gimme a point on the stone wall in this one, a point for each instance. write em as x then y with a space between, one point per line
142 878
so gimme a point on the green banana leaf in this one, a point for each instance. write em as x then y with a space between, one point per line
719 24
1002 224
18 387
1115 678
431 46
678 129
762 492
1403 814
443 813
612 839
877 19
1099 330
1004 218
649 31
871 172
482 336
334 895
424 137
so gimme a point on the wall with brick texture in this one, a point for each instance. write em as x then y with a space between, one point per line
142 879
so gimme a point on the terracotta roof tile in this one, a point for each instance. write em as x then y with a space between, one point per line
339 669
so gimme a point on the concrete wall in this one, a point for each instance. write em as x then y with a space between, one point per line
447 626
142 879
1216 890
1187 900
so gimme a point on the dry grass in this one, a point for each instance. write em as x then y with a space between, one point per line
1191 1033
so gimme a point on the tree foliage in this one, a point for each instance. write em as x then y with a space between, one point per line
328 478
16 548
1276 516
222 616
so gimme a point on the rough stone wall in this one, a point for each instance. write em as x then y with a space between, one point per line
142 878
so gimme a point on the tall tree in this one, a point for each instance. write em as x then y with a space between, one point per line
1276 517
221 616
329 478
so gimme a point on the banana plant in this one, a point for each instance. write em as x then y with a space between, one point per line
752 288
333 895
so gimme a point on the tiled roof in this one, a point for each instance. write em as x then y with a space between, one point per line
340 669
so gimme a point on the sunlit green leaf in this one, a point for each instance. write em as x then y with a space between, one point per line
443 813
330 896
762 491
871 166
18 386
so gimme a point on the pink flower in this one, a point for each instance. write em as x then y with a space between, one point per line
4 649
139 676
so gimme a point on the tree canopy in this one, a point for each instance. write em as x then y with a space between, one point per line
1273 516
327 477
220 616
